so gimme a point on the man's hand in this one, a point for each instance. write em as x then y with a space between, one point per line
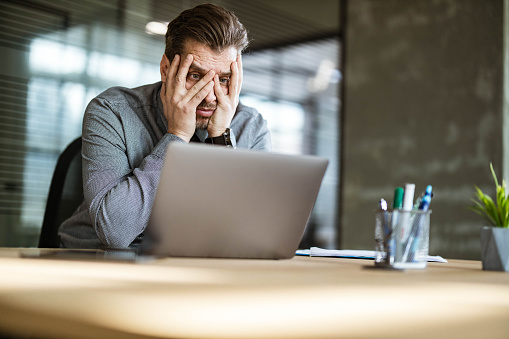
226 103
179 103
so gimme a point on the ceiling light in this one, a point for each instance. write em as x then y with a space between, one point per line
156 27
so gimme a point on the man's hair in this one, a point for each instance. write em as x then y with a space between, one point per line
210 24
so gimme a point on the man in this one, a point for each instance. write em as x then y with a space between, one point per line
126 131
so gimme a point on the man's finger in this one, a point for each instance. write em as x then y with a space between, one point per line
170 74
183 69
201 94
241 72
172 69
218 91
191 93
233 89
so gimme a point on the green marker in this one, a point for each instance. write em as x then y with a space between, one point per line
398 198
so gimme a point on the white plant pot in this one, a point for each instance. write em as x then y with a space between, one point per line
495 248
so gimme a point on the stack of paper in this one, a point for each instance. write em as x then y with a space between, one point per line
357 254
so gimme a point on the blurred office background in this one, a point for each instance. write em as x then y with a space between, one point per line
56 55
391 91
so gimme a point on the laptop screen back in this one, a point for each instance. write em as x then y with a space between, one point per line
225 203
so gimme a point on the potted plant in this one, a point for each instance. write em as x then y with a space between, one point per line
494 239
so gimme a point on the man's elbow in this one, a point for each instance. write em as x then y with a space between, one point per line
111 236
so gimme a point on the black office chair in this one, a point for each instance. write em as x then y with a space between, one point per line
65 194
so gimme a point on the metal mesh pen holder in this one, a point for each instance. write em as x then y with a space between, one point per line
402 239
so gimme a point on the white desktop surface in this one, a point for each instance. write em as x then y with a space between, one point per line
305 297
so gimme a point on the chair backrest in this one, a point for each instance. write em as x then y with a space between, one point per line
65 194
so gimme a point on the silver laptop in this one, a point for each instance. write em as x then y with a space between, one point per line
231 203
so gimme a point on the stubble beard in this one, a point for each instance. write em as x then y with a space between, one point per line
202 123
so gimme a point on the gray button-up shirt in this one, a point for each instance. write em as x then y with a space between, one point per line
124 143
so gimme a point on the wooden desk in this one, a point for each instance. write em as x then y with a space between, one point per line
208 298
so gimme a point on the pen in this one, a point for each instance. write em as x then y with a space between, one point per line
397 203
398 198
382 235
383 207
426 199
408 197
405 222
408 201
414 238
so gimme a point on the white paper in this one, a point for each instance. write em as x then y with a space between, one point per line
357 254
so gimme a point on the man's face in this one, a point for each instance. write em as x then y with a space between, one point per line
204 60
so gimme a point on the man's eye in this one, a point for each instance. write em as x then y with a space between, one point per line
224 81
194 76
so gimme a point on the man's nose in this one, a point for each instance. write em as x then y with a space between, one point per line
211 97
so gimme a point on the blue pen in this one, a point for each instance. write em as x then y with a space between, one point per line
413 242
426 200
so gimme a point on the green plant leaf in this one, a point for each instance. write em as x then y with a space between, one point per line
495 211
487 206
479 209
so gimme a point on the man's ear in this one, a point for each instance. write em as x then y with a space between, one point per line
163 68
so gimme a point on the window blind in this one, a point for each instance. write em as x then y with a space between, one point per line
58 54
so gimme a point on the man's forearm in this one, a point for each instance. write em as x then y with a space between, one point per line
118 196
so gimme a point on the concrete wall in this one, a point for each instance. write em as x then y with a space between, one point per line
423 104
